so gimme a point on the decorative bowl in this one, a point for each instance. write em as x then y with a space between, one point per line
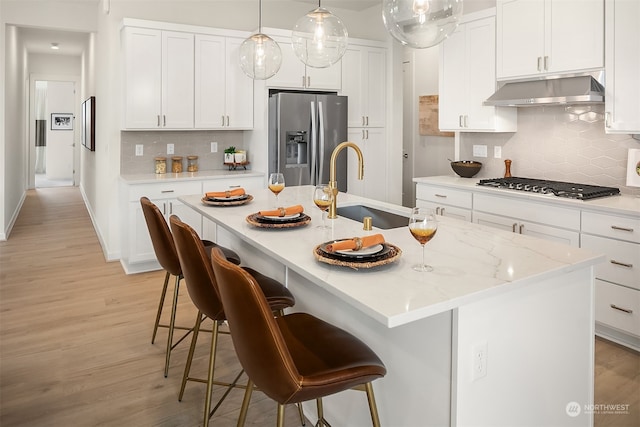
466 168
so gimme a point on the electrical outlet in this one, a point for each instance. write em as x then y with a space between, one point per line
170 149
479 361
139 149
479 151
214 147
497 152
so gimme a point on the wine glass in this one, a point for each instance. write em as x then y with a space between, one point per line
423 226
276 184
323 197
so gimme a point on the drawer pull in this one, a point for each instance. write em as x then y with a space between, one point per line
622 264
626 310
444 196
615 227
167 191
234 186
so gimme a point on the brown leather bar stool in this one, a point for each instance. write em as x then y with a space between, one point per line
165 251
291 358
201 284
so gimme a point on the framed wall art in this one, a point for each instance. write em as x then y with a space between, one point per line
89 123
61 121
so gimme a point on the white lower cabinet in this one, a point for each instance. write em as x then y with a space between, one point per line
137 254
445 201
618 277
541 231
544 221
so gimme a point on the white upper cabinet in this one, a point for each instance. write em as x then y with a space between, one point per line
622 86
295 74
158 84
467 79
223 93
548 37
364 82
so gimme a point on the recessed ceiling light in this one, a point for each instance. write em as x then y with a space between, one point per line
55 46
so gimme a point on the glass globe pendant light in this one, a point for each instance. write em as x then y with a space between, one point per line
421 23
260 55
319 38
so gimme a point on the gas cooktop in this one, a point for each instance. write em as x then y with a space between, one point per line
561 189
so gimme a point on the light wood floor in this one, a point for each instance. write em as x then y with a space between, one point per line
75 337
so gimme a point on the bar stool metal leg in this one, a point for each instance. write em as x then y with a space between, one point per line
187 367
172 323
373 408
160 305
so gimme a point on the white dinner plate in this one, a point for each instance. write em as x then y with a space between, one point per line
281 218
228 199
369 250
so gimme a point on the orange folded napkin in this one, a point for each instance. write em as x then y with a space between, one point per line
291 210
224 194
356 243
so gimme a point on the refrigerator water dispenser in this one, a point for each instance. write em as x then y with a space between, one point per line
297 148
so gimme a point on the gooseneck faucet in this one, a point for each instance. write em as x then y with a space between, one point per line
333 183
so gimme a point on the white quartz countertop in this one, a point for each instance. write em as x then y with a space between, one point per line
623 204
147 178
471 262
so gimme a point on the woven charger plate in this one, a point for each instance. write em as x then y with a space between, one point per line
229 203
393 254
299 222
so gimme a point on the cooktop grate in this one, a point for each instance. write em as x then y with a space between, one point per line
561 189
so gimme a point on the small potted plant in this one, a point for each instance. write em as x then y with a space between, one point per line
229 154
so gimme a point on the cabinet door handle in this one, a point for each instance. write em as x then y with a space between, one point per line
546 63
227 121
539 63
626 310
460 120
158 116
170 208
521 228
164 208
621 264
221 120
167 191
367 117
443 196
442 211
437 210
465 121
164 120
513 227
308 81
367 131
363 121
363 134
615 227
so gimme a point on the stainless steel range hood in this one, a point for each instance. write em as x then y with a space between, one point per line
583 89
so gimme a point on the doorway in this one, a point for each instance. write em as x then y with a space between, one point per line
53 132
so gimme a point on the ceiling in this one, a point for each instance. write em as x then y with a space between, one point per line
344 4
38 40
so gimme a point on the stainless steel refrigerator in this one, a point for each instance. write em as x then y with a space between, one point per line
304 128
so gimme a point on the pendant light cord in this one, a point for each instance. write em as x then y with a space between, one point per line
260 18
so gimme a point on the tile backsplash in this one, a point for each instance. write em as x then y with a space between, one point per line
186 143
561 143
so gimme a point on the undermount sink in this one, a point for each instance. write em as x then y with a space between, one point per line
379 218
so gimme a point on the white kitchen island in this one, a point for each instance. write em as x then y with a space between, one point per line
499 334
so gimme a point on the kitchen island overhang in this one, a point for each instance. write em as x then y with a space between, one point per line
487 286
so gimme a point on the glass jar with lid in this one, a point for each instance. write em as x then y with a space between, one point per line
161 165
176 164
192 163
